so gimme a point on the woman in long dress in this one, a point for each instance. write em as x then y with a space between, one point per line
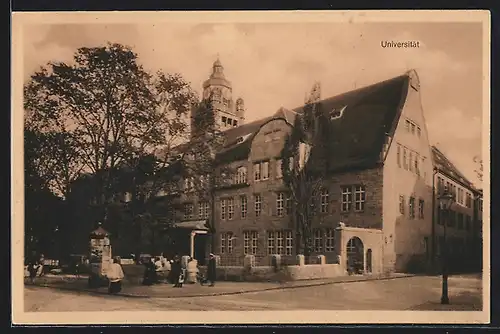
176 272
115 276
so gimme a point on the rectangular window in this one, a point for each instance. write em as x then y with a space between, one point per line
223 209
419 131
312 203
421 209
222 243
255 241
411 161
407 125
229 242
265 170
270 242
413 128
359 198
468 200
280 204
279 170
250 242
324 200
246 242
411 207
440 185
203 210
346 199
279 243
402 204
405 159
244 204
257 171
417 165
330 240
318 241
241 175
461 196
398 155
230 208
289 242
188 211
258 205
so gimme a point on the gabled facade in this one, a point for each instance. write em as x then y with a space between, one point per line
376 204
463 237
377 200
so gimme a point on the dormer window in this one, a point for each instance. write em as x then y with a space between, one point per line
337 113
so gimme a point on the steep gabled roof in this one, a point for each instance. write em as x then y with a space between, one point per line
443 164
356 137
359 120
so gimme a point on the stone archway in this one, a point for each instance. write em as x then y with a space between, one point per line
355 256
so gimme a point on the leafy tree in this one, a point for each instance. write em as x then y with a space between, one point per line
302 168
108 110
202 172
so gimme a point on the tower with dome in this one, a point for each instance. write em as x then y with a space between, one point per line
227 112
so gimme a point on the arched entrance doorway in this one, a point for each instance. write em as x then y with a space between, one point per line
355 256
369 261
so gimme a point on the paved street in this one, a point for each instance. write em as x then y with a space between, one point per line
411 293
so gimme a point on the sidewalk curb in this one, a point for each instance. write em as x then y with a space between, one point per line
215 294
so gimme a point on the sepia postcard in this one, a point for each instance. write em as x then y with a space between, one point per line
296 167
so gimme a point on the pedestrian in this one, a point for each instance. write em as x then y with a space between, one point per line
149 272
212 269
32 269
115 276
41 261
158 268
176 272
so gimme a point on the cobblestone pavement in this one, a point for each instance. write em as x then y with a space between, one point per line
411 293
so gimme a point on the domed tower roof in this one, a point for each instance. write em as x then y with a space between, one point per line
217 77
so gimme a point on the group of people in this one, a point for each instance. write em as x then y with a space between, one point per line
174 269
175 272
35 267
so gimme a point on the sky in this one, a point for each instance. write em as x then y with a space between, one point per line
273 65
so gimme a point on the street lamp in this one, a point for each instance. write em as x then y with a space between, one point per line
445 202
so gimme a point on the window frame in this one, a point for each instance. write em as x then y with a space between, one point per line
411 207
329 240
346 198
258 212
243 206
280 204
324 200
318 240
362 200
288 243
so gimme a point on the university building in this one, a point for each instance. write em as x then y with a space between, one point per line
379 201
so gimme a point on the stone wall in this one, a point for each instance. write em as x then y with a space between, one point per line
288 273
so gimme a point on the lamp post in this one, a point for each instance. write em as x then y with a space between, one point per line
445 201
